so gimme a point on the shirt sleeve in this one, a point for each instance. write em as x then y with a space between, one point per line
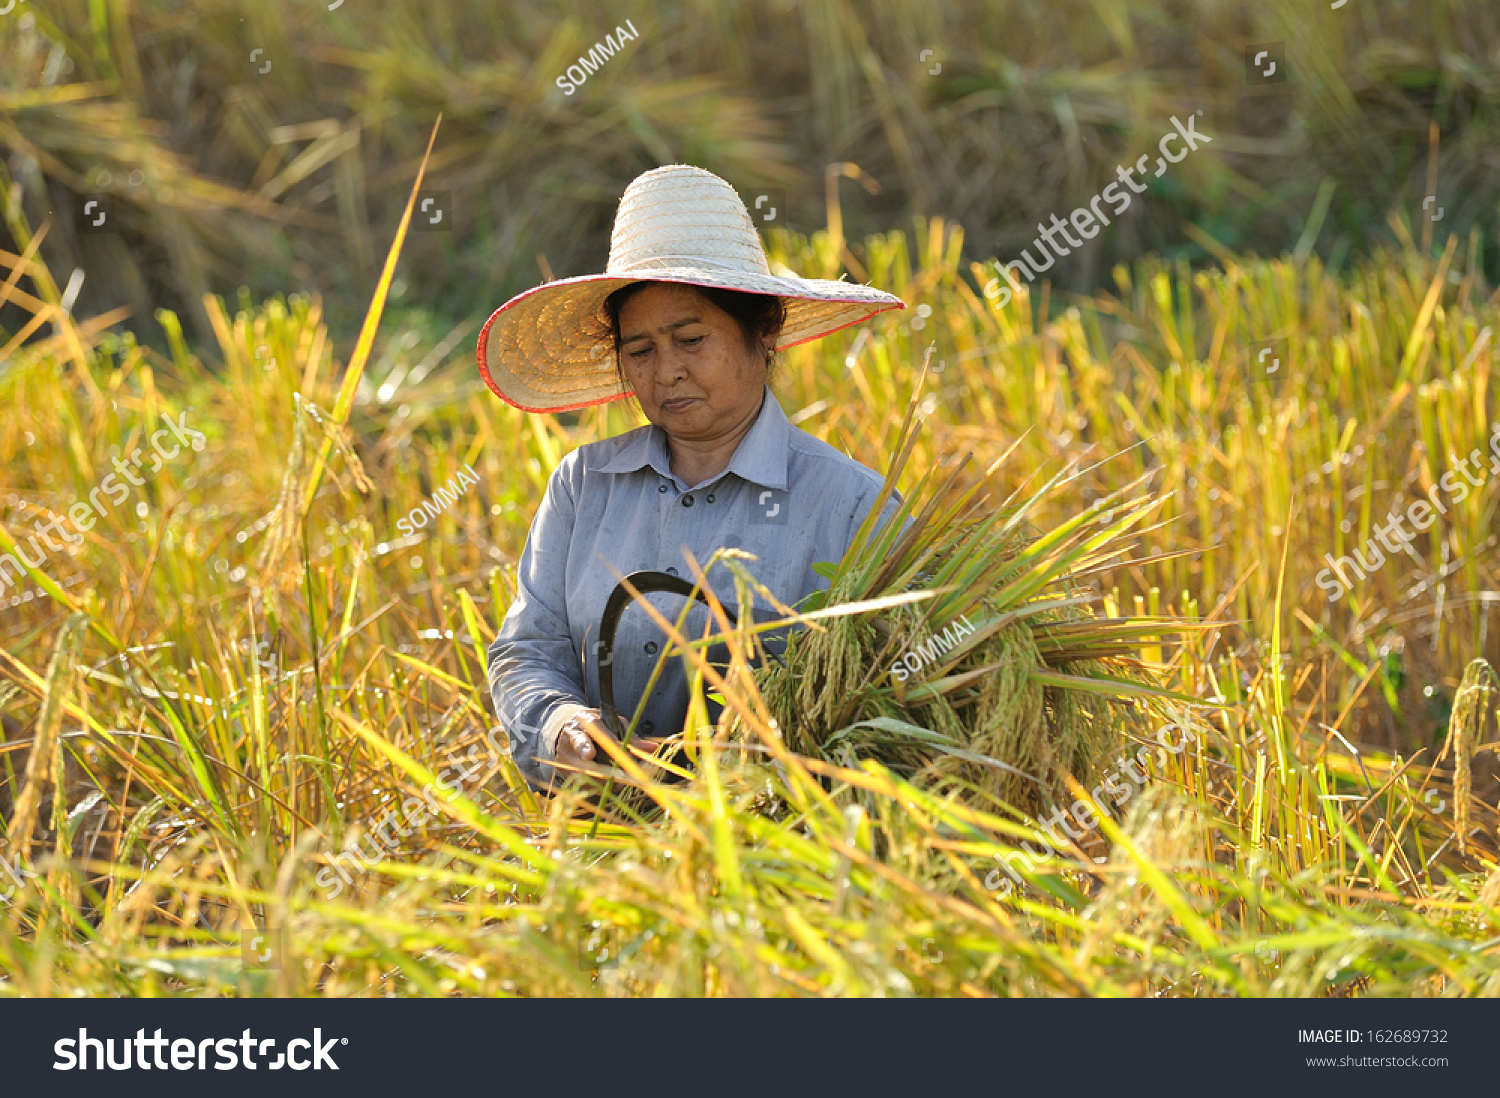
536 679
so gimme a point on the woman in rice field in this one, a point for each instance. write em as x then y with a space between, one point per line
686 318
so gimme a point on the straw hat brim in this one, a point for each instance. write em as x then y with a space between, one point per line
539 351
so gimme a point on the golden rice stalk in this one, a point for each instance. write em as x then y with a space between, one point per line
46 743
288 517
1470 708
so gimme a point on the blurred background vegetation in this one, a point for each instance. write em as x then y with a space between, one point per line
287 172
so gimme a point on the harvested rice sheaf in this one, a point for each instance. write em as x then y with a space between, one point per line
835 696
1017 681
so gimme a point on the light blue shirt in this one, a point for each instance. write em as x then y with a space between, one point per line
786 497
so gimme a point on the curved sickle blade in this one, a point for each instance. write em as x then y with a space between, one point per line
647 583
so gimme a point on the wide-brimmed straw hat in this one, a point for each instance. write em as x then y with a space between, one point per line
542 350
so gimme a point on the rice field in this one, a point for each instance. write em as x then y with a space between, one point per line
224 692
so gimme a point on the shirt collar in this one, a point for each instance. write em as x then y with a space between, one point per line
760 457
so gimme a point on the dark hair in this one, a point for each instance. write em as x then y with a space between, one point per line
760 317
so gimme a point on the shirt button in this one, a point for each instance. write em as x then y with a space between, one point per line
661 487
647 728
710 497
687 501
650 648
671 571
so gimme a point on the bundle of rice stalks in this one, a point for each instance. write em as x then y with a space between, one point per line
1002 680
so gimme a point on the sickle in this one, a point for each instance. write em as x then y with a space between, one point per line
647 583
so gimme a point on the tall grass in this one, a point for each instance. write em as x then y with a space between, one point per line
198 727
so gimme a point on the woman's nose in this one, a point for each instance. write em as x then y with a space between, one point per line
670 365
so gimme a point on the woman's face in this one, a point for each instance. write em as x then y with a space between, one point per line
687 363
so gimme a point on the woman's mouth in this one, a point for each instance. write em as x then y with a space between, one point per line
677 404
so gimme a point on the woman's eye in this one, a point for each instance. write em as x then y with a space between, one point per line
693 341
642 353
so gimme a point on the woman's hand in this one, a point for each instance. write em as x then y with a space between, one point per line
578 740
